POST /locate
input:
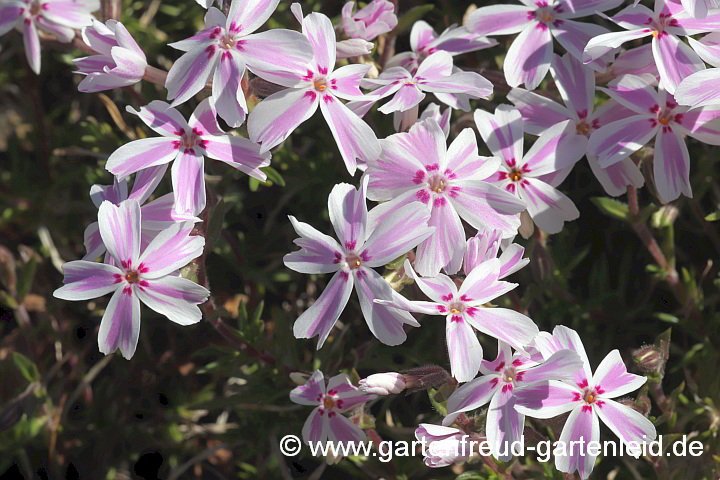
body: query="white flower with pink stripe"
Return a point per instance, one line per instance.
(146, 276)
(56, 17)
(419, 169)
(496, 386)
(319, 85)
(225, 47)
(654, 114)
(463, 310)
(588, 398)
(701, 88)
(674, 59)
(538, 22)
(576, 83)
(361, 249)
(523, 175)
(186, 143)
(326, 422)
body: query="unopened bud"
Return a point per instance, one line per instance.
(649, 358)
(299, 378)
(355, 47)
(421, 378)
(383, 383)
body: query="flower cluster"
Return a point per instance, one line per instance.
(445, 216)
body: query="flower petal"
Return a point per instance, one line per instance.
(603, 44)
(440, 288)
(275, 118)
(502, 132)
(162, 118)
(574, 36)
(249, 15)
(120, 230)
(278, 55)
(171, 249)
(316, 427)
(470, 396)
(190, 73)
(10, 15)
(576, 84)
(503, 425)
(188, 179)
(463, 347)
(309, 393)
(32, 45)
(548, 207)
(538, 113)
(558, 148)
(319, 319)
(345, 81)
(239, 153)
(445, 247)
(463, 160)
(399, 232)
(176, 298)
(620, 139)
(482, 285)
(227, 93)
(560, 366)
(504, 324)
(581, 426)
(347, 207)
(671, 165)
(612, 377)
(546, 399)
(628, 424)
(343, 431)
(204, 118)
(699, 89)
(321, 34)
(675, 60)
(616, 178)
(120, 324)
(85, 280)
(565, 338)
(499, 19)
(529, 56)
(319, 253)
(141, 154)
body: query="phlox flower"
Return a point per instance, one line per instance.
(674, 59)
(697, 8)
(463, 310)
(556, 149)
(417, 168)
(225, 47)
(319, 85)
(157, 215)
(443, 445)
(376, 18)
(186, 143)
(538, 21)
(361, 249)
(145, 276)
(326, 423)
(496, 386)
(121, 61)
(434, 75)
(701, 88)
(576, 84)
(588, 398)
(485, 246)
(57, 17)
(655, 114)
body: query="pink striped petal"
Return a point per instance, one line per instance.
(384, 321)
(629, 425)
(115, 193)
(581, 426)
(32, 45)
(529, 56)
(316, 427)
(227, 93)
(120, 230)
(63, 33)
(275, 118)
(461, 40)
(512, 260)
(702, 123)
(191, 72)
(560, 366)
(471, 396)
(67, 13)
(463, 160)
(671, 166)
(538, 113)
(202, 39)
(583, 8)
(146, 181)
(708, 48)
(484, 205)
(399, 233)
(603, 44)
(548, 207)
(249, 15)
(84, 280)
(348, 212)
(467, 83)
(504, 355)
(574, 36)
(319, 253)
(120, 324)
(503, 425)
(565, 338)
(636, 61)
(699, 89)
(608, 112)
(176, 298)
(558, 148)
(188, 180)
(10, 15)
(445, 247)
(345, 81)
(482, 285)
(687, 25)
(576, 84)
(546, 399)
(502, 132)
(275, 53)
(160, 214)
(463, 348)
(162, 118)
(342, 430)
(499, 19)
(675, 60)
(504, 324)
(321, 34)
(309, 393)
(319, 319)
(354, 137)
(171, 249)
(421, 35)
(633, 16)
(620, 139)
(611, 378)
(616, 178)
(434, 67)
(204, 118)
(99, 82)
(94, 246)
(440, 288)
(239, 153)
(408, 96)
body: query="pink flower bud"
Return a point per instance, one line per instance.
(355, 47)
(383, 383)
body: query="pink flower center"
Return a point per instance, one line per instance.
(132, 276)
(515, 175)
(353, 261)
(457, 308)
(189, 140)
(659, 24)
(227, 41)
(437, 183)
(582, 128)
(35, 8)
(329, 403)
(320, 84)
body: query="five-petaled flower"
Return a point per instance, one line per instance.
(121, 61)
(528, 58)
(576, 84)
(148, 276)
(556, 149)
(376, 18)
(186, 143)
(326, 421)
(275, 118)
(361, 249)
(655, 114)
(226, 47)
(588, 398)
(464, 310)
(57, 17)
(417, 168)
(500, 377)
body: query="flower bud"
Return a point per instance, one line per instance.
(355, 47)
(649, 358)
(383, 383)
(299, 378)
